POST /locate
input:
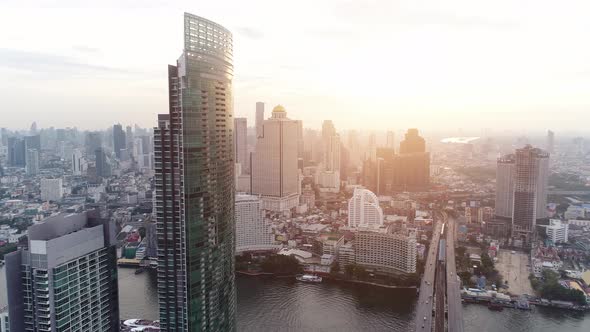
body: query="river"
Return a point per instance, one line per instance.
(266, 304)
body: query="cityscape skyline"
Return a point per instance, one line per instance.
(463, 85)
(190, 223)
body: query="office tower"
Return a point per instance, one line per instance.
(93, 141)
(371, 152)
(505, 173)
(385, 183)
(77, 162)
(411, 169)
(354, 148)
(530, 192)
(103, 168)
(344, 162)
(33, 142)
(32, 161)
(252, 229)
(390, 140)
(274, 163)
(259, 118)
(300, 144)
(384, 250)
(51, 189)
(194, 177)
(3, 137)
(550, 141)
(412, 143)
(241, 144)
(33, 130)
(129, 138)
(119, 140)
(67, 278)
(364, 209)
(16, 152)
(329, 174)
(4, 321)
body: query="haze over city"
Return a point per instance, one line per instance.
(221, 166)
(443, 66)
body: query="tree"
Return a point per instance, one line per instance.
(461, 250)
(349, 270)
(360, 272)
(335, 268)
(281, 264)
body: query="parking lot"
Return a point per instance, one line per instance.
(514, 269)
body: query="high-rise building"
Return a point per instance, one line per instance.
(252, 229)
(412, 143)
(194, 179)
(550, 141)
(364, 209)
(329, 175)
(259, 118)
(93, 141)
(51, 189)
(129, 138)
(16, 152)
(32, 161)
(77, 162)
(241, 143)
(505, 173)
(390, 140)
(33, 142)
(274, 163)
(383, 250)
(530, 192)
(67, 278)
(103, 168)
(119, 140)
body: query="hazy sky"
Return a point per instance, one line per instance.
(522, 65)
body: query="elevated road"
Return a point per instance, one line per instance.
(423, 321)
(455, 308)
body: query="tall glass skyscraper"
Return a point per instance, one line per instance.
(194, 166)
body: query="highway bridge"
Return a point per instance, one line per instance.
(439, 305)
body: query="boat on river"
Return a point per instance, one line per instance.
(309, 278)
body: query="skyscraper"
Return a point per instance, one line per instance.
(119, 140)
(32, 160)
(530, 192)
(390, 140)
(412, 143)
(241, 144)
(505, 173)
(77, 162)
(329, 175)
(103, 168)
(93, 141)
(364, 209)
(259, 118)
(67, 278)
(16, 152)
(194, 168)
(274, 163)
(33, 142)
(550, 141)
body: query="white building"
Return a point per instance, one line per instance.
(557, 231)
(51, 189)
(382, 250)
(364, 209)
(253, 231)
(274, 163)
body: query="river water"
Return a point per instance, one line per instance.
(266, 304)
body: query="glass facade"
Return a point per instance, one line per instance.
(194, 164)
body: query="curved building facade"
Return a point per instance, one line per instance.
(194, 163)
(364, 209)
